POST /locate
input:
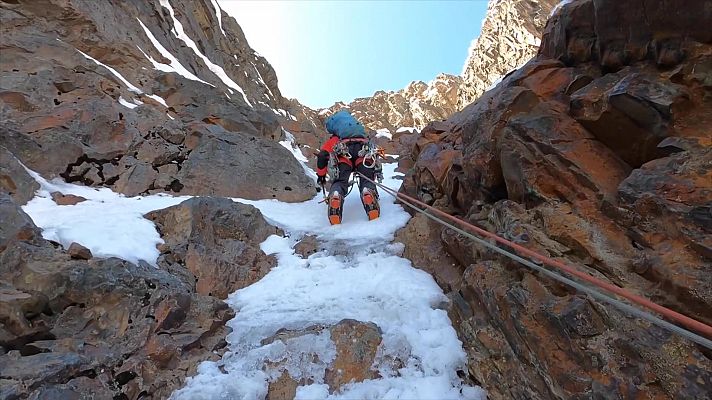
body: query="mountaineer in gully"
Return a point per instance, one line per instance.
(349, 151)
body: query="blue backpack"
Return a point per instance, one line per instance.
(344, 125)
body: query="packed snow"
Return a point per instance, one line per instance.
(357, 274)
(107, 223)
(175, 65)
(216, 69)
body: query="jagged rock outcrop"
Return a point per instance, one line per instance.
(70, 327)
(510, 36)
(142, 97)
(14, 180)
(596, 153)
(193, 230)
(414, 106)
(72, 324)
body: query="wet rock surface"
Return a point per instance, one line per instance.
(596, 153)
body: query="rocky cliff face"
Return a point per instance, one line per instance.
(597, 153)
(510, 36)
(414, 106)
(144, 97)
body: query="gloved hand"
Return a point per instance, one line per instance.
(321, 180)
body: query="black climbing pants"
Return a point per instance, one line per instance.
(341, 184)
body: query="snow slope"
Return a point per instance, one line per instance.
(107, 223)
(358, 274)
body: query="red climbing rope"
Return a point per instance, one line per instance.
(671, 314)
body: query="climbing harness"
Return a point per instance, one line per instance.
(369, 154)
(688, 322)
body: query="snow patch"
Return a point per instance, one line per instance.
(408, 129)
(107, 223)
(125, 103)
(175, 65)
(218, 13)
(113, 71)
(495, 83)
(558, 7)
(158, 99)
(262, 81)
(384, 132)
(290, 144)
(216, 69)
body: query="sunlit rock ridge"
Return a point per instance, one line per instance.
(510, 36)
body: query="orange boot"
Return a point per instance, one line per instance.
(370, 204)
(335, 209)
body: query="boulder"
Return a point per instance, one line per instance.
(232, 165)
(78, 251)
(66, 199)
(307, 246)
(218, 242)
(355, 345)
(137, 179)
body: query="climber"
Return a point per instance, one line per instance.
(348, 150)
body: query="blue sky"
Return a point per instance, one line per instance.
(326, 51)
